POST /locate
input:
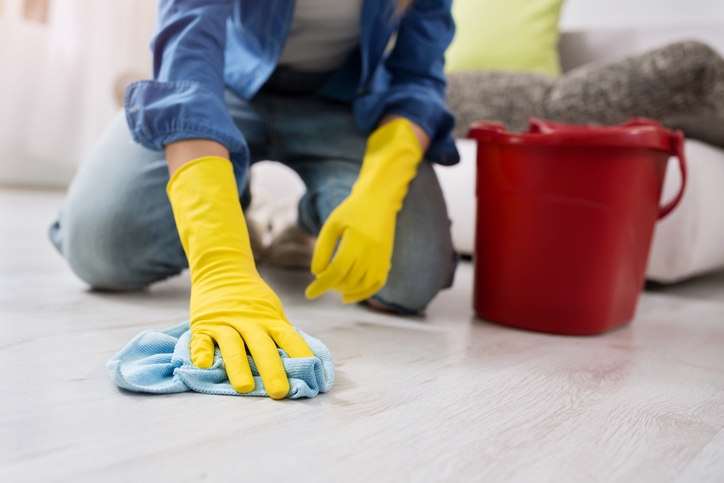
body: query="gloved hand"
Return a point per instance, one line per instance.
(365, 221)
(230, 303)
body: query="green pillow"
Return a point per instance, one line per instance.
(505, 35)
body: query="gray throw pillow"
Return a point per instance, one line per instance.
(681, 85)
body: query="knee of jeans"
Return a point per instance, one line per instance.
(409, 307)
(98, 249)
(424, 260)
(411, 292)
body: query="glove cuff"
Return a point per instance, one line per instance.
(390, 162)
(211, 225)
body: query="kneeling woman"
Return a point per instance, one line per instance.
(307, 83)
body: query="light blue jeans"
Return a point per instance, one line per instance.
(117, 230)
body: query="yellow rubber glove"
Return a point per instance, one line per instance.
(365, 221)
(230, 303)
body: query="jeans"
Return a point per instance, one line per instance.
(117, 230)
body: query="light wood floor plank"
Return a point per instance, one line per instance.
(444, 397)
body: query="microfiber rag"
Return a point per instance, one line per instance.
(159, 362)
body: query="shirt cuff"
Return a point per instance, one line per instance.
(420, 105)
(159, 113)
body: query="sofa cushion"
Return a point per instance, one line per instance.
(681, 85)
(577, 48)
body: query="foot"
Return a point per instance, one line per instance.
(290, 247)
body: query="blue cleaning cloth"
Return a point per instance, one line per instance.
(159, 362)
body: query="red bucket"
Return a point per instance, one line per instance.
(565, 216)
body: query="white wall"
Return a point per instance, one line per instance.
(58, 82)
(112, 38)
(612, 14)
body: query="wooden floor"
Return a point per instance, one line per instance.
(440, 398)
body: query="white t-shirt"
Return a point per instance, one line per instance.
(322, 35)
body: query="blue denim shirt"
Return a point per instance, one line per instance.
(202, 46)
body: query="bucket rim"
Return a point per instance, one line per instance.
(635, 133)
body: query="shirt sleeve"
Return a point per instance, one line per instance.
(416, 78)
(186, 98)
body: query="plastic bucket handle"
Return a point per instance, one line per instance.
(677, 141)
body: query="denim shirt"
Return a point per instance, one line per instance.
(201, 47)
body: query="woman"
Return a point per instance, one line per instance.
(309, 85)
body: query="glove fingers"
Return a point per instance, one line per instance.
(358, 275)
(375, 277)
(350, 281)
(328, 279)
(335, 272)
(202, 351)
(265, 354)
(364, 294)
(234, 354)
(354, 279)
(292, 342)
(325, 245)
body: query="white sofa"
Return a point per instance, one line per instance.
(690, 241)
